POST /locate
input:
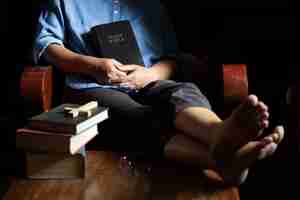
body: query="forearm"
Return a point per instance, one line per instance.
(164, 70)
(68, 61)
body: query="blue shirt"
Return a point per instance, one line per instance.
(65, 22)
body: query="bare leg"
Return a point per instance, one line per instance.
(228, 143)
(223, 138)
(188, 150)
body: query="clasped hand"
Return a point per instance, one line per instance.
(113, 72)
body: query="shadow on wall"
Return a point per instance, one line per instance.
(231, 32)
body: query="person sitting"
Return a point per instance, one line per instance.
(144, 100)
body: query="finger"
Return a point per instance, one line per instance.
(127, 68)
(120, 73)
(131, 76)
(118, 80)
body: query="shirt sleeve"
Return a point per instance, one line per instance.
(50, 29)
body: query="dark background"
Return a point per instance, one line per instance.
(262, 34)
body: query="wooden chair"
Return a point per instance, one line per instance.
(105, 178)
(41, 86)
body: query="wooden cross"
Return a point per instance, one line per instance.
(85, 110)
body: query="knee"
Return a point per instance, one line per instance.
(192, 94)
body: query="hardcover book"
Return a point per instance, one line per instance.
(116, 40)
(55, 165)
(56, 142)
(56, 121)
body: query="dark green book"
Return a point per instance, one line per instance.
(56, 121)
(116, 40)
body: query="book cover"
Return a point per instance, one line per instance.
(44, 141)
(116, 40)
(55, 165)
(55, 120)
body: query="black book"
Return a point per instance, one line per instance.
(56, 121)
(116, 40)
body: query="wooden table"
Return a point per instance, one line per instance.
(109, 178)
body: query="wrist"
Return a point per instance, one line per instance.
(164, 70)
(90, 64)
(155, 75)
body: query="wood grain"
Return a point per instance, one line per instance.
(111, 178)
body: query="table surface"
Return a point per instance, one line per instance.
(108, 177)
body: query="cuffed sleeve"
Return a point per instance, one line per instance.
(50, 29)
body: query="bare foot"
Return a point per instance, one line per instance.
(235, 170)
(245, 123)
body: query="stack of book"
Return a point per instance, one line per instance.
(54, 141)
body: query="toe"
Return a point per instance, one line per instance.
(253, 148)
(279, 131)
(262, 155)
(277, 136)
(235, 171)
(262, 107)
(271, 150)
(268, 150)
(264, 124)
(263, 119)
(265, 115)
(253, 100)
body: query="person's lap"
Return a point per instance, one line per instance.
(142, 121)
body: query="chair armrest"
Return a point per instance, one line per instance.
(235, 86)
(36, 86)
(235, 82)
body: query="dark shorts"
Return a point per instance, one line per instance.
(142, 121)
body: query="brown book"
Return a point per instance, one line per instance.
(45, 141)
(55, 165)
(55, 120)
